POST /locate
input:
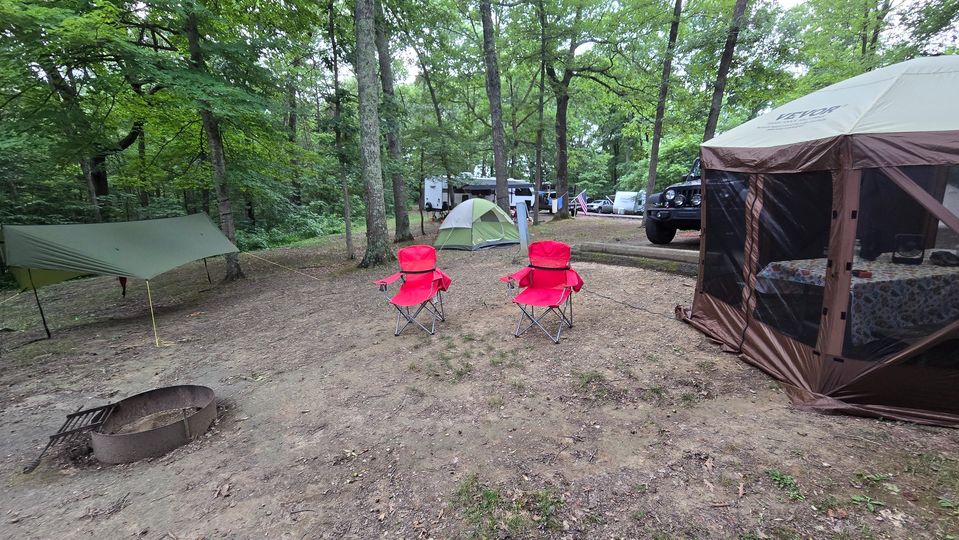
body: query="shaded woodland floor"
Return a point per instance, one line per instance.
(635, 426)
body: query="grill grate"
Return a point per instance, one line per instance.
(76, 425)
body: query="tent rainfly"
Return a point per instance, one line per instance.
(39, 255)
(476, 224)
(830, 241)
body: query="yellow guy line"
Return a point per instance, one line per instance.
(11, 298)
(294, 270)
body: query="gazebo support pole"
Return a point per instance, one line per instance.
(40, 307)
(153, 320)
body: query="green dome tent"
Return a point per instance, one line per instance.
(476, 224)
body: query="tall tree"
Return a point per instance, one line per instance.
(495, 105)
(337, 103)
(296, 197)
(377, 236)
(214, 137)
(719, 88)
(392, 117)
(661, 102)
(540, 110)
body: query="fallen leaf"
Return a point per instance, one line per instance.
(708, 465)
(742, 489)
(709, 485)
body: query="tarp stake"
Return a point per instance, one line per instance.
(207, 271)
(156, 336)
(40, 307)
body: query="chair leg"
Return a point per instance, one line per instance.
(436, 314)
(537, 321)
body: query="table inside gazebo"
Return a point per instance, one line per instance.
(895, 298)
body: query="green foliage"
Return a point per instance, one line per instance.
(871, 504)
(488, 510)
(786, 483)
(108, 87)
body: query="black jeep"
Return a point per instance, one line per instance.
(675, 208)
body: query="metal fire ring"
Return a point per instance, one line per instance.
(112, 447)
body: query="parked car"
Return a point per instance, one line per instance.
(598, 206)
(675, 208)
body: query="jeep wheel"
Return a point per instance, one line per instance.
(658, 232)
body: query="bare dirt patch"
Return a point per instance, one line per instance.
(633, 426)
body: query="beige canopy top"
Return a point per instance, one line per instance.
(892, 116)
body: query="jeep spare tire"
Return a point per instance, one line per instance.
(658, 232)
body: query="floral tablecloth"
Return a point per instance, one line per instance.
(897, 296)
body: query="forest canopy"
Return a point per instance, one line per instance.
(113, 110)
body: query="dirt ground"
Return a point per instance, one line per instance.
(635, 426)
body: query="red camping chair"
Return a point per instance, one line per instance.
(422, 287)
(547, 282)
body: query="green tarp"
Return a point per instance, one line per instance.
(40, 255)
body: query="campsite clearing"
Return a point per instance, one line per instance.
(633, 426)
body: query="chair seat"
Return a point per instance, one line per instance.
(411, 295)
(542, 297)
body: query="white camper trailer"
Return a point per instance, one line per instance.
(436, 194)
(629, 202)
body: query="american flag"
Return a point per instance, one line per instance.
(581, 199)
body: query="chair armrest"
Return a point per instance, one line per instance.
(521, 277)
(388, 279)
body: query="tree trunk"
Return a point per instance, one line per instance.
(296, 197)
(87, 168)
(661, 103)
(540, 126)
(393, 150)
(724, 62)
(493, 92)
(371, 170)
(217, 157)
(423, 191)
(562, 154)
(338, 131)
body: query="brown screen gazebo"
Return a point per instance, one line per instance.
(830, 244)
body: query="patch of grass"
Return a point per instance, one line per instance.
(587, 378)
(864, 500)
(415, 392)
(468, 337)
(654, 393)
(498, 360)
(786, 483)
(547, 507)
(689, 399)
(496, 402)
(638, 516)
(830, 502)
(642, 488)
(480, 506)
(593, 383)
(518, 384)
(487, 510)
(462, 371)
